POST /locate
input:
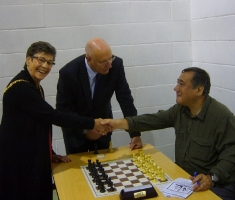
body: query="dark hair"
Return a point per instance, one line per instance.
(200, 77)
(39, 47)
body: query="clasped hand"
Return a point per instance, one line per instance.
(102, 128)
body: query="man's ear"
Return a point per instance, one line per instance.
(88, 58)
(200, 89)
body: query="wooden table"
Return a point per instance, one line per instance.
(72, 185)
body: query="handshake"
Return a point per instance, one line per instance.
(103, 126)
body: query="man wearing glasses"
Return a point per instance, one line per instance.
(85, 88)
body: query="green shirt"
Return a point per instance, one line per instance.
(204, 143)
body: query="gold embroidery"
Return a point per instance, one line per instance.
(20, 80)
(16, 81)
(40, 88)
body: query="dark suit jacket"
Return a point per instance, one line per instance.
(74, 95)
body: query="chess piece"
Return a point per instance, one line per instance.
(144, 168)
(102, 188)
(111, 147)
(95, 178)
(139, 163)
(98, 181)
(141, 153)
(101, 170)
(99, 184)
(148, 174)
(162, 178)
(148, 156)
(154, 177)
(94, 173)
(150, 177)
(134, 158)
(91, 171)
(105, 177)
(89, 163)
(111, 187)
(96, 151)
(109, 182)
(158, 172)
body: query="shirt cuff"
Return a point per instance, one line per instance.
(134, 134)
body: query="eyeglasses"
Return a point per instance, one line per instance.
(105, 62)
(42, 60)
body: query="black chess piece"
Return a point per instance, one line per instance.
(91, 170)
(91, 167)
(97, 181)
(105, 177)
(96, 151)
(94, 179)
(96, 176)
(102, 188)
(110, 183)
(94, 173)
(101, 169)
(89, 164)
(98, 164)
(112, 188)
(99, 185)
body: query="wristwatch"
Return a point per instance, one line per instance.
(214, 177)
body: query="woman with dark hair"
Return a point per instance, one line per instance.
(25, 135)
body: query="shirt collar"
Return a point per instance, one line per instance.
(203, 111)
(205, 107)
(90, 72)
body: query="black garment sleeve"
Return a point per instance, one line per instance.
(26, 98)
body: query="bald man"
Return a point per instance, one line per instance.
(85, 88)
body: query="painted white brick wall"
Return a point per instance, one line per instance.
(156, 39)
(20, 16)
(213, 45)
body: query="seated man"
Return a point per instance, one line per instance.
(205, 133)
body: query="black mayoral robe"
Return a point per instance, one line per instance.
(25, 147)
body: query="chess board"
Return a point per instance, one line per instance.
(123, 174)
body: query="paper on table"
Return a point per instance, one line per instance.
(180, 187)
